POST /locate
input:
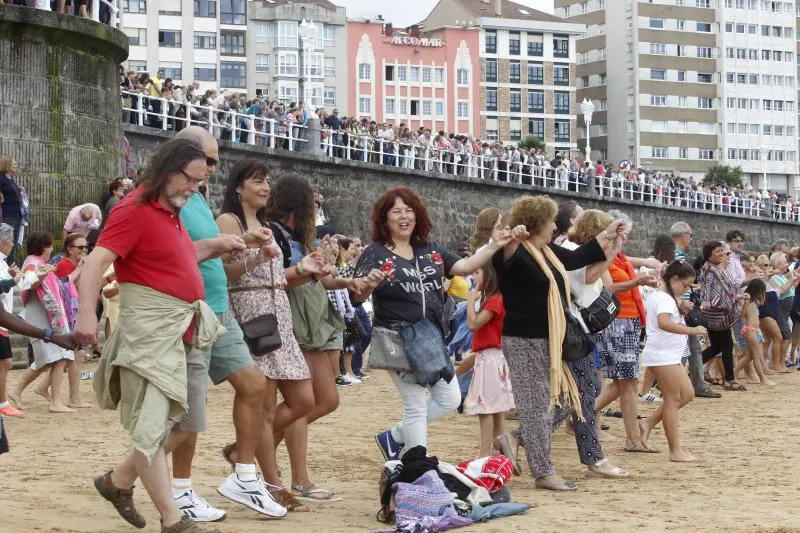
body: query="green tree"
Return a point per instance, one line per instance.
(723, 174)
(531, 142)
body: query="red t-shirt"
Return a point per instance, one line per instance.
(154, 248)
(489, 336)
(64, 268)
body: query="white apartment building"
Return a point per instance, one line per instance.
(681, 85)
(251, 47)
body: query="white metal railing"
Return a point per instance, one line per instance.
(272, 133)
(113, 6)
(164, 114)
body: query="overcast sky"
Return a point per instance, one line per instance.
(406, 12)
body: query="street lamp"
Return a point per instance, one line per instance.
(307, 33)
(587, 108)
(764, 167)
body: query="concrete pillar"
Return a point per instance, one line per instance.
(314, 136)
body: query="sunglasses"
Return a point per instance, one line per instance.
(81, 248)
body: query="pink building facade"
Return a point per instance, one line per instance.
(428, 79)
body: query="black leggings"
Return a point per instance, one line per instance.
(721, 342)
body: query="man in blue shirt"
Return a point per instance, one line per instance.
(229, 360)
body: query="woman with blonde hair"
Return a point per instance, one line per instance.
(532, 276)
(484, 226)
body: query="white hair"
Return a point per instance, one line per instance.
(6, 233)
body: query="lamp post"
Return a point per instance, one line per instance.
(764, 168)
(307, 33)
(587, 108)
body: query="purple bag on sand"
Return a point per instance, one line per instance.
(427, 496)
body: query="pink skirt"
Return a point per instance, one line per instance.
(490, 388)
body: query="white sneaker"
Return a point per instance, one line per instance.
(650, 398)
(197, 508)
(351, 379)
(253, 494)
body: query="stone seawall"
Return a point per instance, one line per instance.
(351, 187)
(59, 108)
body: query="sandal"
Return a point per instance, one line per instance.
(708, 393)
(566, 486)
(312, 494)
(285, 499)
(603, 468)
(733, 386)
(640, 448)
(712, 381)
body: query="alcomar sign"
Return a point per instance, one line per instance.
(417, 41)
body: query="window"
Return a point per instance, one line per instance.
(233, 75)
(752, 54)
(704, 51)
(752, 79)
(681, 48)
(536, 74)
(262, 63)
(491, 99)
(731, 127)
(330, 97)
(560, 75)
(438, 75)
(766, 55)
(172, 70)
(744, 154)
(562, 102)
(704, 27)
(287, 34)
(739, 28)
(680, 25)
(231, 43)
(330, 67)
(462, 109)
(535, 44)
(682, 101)
(514, 72)
(658, 100)
(535, 101)
(329, 35)
(136, 36)
(681, 75)
(413, 74)
(703, 77)
(205, 72)
(426, 74)
(752, 29)
(134, 6)
(439, 107)
(560, 46)
(513, 43)
(492, 128)
(657, 24)
(233, 12)
(169, 39)
(778, 130)
(490, 45)
(364, 105)
(262, 32)
(741, 79)
(706, 153)
(403, 107)
(731, 153)
(462, 76)
(491, 70)
(364, 72)
(402, 73)
(515, 129)
(705, 102)
(536, 127)
(659, 49)
(562, 131)
(390, 106)
(427, 108)
(205, 8)
(703, 3)
(659, 152)
(287, 64)
(657, 74)
(389, 73)
(314, 67)
(515, 101)
(729, 27)
(415, 108)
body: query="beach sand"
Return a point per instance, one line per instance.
(748, 480)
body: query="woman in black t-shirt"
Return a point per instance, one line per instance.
(411, 264)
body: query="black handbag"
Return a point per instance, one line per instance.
(577, 343)
(695, 317)
(599, 315)
(261, 334)
(354, 332)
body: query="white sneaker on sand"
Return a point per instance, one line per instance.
(650, 398)
(197, 508)
(351, 379)
(253, 494)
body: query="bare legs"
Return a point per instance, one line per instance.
(648, 381)
(492, 426)
(677, 391)
(625, 390)
(347, 358)
(752, 354)
(5, 367)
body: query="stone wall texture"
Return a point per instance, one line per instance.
(351, 187)
(59, 108)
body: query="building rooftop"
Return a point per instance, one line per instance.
(508, 9)
(325, 4)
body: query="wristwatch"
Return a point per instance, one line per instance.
(48, 335)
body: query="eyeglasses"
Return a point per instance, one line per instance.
(211, 162)
(81, 248)
(191, 180)
(689, 233)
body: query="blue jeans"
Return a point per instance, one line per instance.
(363, 344)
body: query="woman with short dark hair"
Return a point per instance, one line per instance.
(410, 294)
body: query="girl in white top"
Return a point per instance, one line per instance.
(666, 339)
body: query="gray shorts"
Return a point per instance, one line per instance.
(334, 343)
(230, 353)
(194, 419)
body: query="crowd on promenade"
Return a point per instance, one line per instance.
(79, 8)
(264, 295)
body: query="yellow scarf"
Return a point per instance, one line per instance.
(560, 377)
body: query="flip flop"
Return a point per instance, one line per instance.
(734, 386)
(640, 448)
(313, 494)
(615, 472)
(707, 394)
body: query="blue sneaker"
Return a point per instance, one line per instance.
(388, 446)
